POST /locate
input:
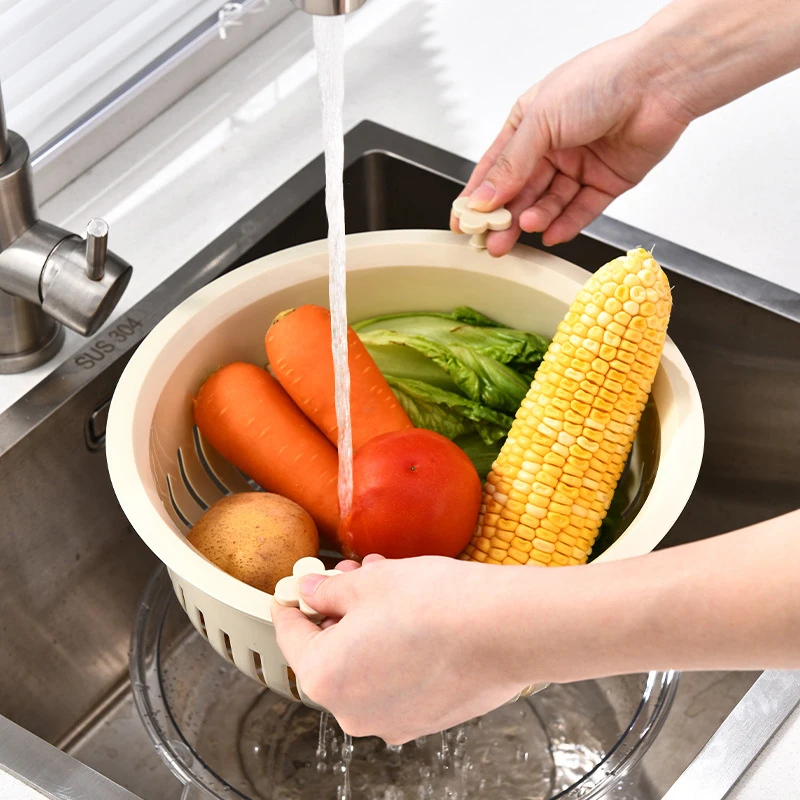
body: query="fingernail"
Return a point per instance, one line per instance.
(310, 583)
(483, 195)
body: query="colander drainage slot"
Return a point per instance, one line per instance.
(292, 678)
(250, 482)
(183, 518)
(259, 668)
(228, 648)
(181, 597)
(202, 623)
(205, 463)
(188, 484)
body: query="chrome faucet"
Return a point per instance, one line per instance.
(328, 8)
(48, 276)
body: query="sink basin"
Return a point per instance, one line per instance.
(73, 571)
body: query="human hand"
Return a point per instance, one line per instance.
(586, 133)
(412, 646)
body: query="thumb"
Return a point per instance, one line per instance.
(513, 165)
(331, 595)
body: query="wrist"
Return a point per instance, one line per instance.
(664, 71)
(695, 56)
(577, 623)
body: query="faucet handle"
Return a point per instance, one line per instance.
(96, 248)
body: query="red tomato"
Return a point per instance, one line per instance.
(415, 493)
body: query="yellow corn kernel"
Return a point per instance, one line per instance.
(551, 484)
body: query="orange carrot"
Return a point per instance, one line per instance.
(249, 419)
(299, 351)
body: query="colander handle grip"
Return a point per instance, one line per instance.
(478, 223)
(287, 590)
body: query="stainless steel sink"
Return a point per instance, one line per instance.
(72, 569)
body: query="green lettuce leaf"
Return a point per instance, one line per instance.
(447, 412)
(403, 361)
(425, 413)
(467, 328)
(479, 377)
(473, 317)
(500, 386)
(463, 377)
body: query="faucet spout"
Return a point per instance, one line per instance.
(328, 8)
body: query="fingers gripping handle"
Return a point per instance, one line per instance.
(287, 593)
(287, 590)
(479, 223)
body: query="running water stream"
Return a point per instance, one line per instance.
(329, 42)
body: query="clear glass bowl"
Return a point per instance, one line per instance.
(223, 733)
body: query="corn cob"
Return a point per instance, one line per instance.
(553, 481)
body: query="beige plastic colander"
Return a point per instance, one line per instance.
(165, 475)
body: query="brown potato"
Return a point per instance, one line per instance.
(255, 537)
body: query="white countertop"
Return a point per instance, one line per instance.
(12, 788)
(728, 189)
(776, 768)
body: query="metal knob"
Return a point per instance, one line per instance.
(96, 248)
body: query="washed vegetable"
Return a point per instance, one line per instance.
(255, 537)
(479, 377)
(555, 476)
(251, 421)
(414, 493)
(466, 327)
(298, 346)
(456, 374)
(446, 412)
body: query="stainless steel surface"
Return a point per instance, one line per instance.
(28, 338)
(71, 574)
(739, 740)
(47, 275)
(5, 148)
(22, 260)
(146, 94)
(17, 204)
(96, 248)
(52, 774)
(328, 8)
(776, 769)
(72, 570)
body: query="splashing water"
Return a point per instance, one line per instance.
(509, 756)
(322, 742)
(329, 43)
